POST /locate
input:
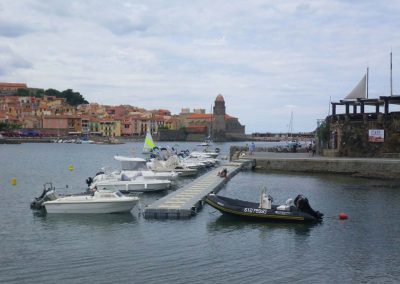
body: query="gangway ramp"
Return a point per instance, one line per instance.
(187, 200)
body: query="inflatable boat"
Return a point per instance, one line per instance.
(297, 211)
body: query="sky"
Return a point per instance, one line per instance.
(269, 59)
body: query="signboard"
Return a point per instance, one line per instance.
(376, 135)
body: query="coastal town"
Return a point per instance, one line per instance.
(44, 115)
(199, 141)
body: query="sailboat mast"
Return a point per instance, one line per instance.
(367, 80)
(391, 81)
(211, 122)
(291, 124)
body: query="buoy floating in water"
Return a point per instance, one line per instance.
(13, 181)
(343, 216)
(71, 168)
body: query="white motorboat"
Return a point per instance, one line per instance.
(173, 164)
(132, 167)
(204, 154)
(101, 201)
(121, 182)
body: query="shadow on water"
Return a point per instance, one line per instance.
(226, 223)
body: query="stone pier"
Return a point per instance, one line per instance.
(302, 162)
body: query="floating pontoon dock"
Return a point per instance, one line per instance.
(187, 200)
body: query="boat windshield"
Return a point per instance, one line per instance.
(119, 194)
(133, 165)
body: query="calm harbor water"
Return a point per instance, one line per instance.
(208, 248)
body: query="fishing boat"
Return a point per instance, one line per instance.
(299, 211)
(148, 144)
(100, 201)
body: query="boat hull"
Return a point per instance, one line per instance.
(129, 186)
(250, 210)
(90, 207)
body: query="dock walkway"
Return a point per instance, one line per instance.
(187, 200)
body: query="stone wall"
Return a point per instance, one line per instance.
(372, 168)
(352, 135)
(171, 135)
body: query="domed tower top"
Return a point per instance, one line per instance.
(220, 98)
(219, 106)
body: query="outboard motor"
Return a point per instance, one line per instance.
(47, 195)
(266, 201)
(302, 204)
(89, 181)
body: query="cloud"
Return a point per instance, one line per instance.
(13, 29)
(11, 62)
(260, 55)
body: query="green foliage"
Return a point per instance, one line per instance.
(22, 93)
(73, 98)
(163, 127)
(6, 126)
(52, 92)
(323, 132)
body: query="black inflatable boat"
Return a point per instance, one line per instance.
(301, 211)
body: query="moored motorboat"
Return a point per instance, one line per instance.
(100, 201)
(132, 167)
(136, 185)
(121, 182)
(299, 211)
(173, 164)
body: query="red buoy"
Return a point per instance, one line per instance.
(343, 216)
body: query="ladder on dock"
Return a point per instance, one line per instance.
(187, 200)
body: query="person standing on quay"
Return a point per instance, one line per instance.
(252, 148)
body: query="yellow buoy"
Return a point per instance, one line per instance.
(13, 181)
(71, 168)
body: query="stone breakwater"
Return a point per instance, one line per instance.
(302, 162)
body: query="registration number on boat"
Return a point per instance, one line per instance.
(255, 210)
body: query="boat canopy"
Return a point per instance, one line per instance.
(131, 164)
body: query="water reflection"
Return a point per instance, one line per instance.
(226, 223)
(86, 220)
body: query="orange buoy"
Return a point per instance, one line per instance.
(343, 216)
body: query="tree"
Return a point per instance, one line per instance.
(22, 93)
(6, 126)
(324, 132)
(52, 92)
(73, 98)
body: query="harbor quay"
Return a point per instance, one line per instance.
(386, 168)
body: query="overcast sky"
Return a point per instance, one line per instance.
(267, 58)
